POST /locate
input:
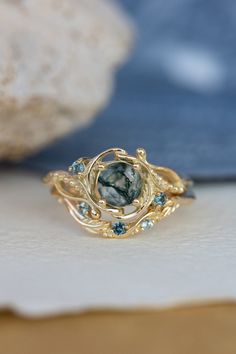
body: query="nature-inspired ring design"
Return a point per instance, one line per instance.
(117, 195)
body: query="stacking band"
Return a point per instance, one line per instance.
(117, 195)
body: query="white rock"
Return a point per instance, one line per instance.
(56, 67)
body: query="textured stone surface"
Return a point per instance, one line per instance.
(119, 184)
(56, 69)
(192, 131)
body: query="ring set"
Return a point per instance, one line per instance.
(117, 195)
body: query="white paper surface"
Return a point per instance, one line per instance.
(48, 264)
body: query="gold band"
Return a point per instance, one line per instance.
(118, 197)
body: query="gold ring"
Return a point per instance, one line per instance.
(117, 195)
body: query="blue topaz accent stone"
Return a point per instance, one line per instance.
(160, 199)
(77, 167)
(147, 224)
(83, 208)
(119, 184)
(119, 228)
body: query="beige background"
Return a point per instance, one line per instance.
(48, 264)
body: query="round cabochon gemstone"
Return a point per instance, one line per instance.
(119, 184)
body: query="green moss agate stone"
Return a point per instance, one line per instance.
(119, 184)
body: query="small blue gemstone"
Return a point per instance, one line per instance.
(147, 224)
(160, 199)
(77, 167)
(83, 208)
(119, 228)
